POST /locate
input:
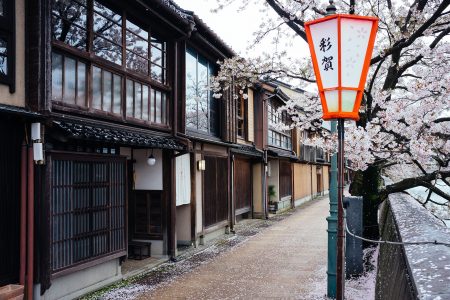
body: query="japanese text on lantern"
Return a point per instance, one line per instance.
(327, 61)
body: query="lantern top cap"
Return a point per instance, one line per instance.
(331, 9)
(342, 16)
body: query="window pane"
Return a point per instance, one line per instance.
(107, 91)
(117, 94)
(107, 29)
(56, 76)
(137, 44)
(137, 30)
(145, 94)
(69, 22)
(157, 107)
(130, 98)
(152, 105)
(107, 50)
(3, 57)
(81, 88)
(163, 109)
(137, 63)
(191, 90)
(138, 100)
(157, 73)
(202, 95)
(69, 80)
(97, 88)
(156, 56)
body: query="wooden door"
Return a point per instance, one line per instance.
(285, 179)
(10, 150)
(242, 186)
(146, 215)
(215, 186)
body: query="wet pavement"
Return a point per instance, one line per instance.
(285, 260)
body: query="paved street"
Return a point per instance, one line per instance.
(283, 261)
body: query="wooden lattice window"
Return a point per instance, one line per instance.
(87, 208)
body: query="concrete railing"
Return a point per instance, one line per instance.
(412, 271)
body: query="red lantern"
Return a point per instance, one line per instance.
(341, 48)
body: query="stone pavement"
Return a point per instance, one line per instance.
(285, 261)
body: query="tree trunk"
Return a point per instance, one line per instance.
(367, 184)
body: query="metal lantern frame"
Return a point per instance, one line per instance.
(340, 114)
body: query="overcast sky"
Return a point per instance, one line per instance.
(235, 28)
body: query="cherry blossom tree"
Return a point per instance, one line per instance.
(403, 134)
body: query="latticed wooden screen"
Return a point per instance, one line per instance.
(87, 208)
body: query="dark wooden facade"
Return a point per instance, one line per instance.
(11, 135)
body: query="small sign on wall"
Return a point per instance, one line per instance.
(183, 173)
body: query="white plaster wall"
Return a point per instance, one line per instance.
(84, 281)
(274, 178)
(148, 177)
(183, 225)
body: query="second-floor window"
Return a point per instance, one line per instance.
(7, 49)
(278, 138)
(240, 115)
(201, 107)
(122, 72)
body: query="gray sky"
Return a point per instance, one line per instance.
(236, 28)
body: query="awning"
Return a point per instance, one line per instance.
(119, 135)
(281, 153)
(247, 150)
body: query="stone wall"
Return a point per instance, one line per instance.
(412, 271)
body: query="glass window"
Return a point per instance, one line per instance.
(57, 80)
(158, 60)
(137, 45)
(3, 57)
(69, 22)
(201, 107)
(106, 90)
(132, 46)
(68, 80)
(278, 138)
(240, 117)
(7, 49)
(145, 103)
(107, 27)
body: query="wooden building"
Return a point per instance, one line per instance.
(16, 151)
(312, 167)
(276, 143)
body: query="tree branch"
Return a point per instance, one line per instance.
(415, 35)
(418, 181)
(285, 15)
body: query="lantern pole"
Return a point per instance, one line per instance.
(333, 217)
(340, 278)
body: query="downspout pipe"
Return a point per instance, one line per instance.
(23, 213)
(30, 233)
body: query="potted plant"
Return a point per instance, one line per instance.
(273, 205)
